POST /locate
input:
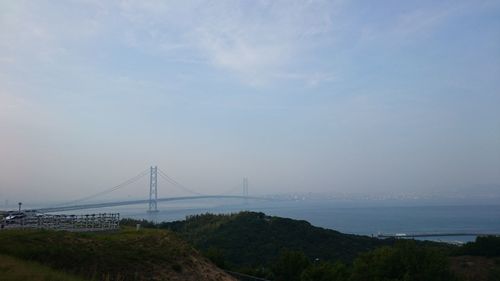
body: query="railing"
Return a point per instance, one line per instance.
(80, 223)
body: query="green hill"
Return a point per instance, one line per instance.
(12, 269)
(250, 239)
(124, 255)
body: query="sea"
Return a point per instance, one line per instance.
(354, 217)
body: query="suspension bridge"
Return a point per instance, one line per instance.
(153, 200)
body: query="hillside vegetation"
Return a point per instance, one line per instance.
(275, 248)
(291, 250)
(479, 260)
(255, 239)
(125, 255)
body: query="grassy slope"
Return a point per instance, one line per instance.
(250, 239)
(127, 255)
(12, 269)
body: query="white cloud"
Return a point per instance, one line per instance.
(254, 40)
(257, 41)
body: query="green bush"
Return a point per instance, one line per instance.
(488, 246)
(216, 256)
(405, 261)
(325, 272)
(290, 266)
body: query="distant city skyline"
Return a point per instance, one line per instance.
(360, 97)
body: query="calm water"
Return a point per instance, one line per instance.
(348, 217)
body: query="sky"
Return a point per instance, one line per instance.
(365, 97)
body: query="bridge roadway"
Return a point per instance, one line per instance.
(143, 201)
(416, 235)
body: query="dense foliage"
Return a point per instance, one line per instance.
(290, 266)
(325, 271)
(291, 250)
(488, 246)
(249, 239)
(405, 261)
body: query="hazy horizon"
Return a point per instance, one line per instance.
(357, 97)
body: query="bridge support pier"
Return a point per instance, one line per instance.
(153, 190)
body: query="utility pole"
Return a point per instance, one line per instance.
(153, 190)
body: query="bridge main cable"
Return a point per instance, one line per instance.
(177, 184)
(109, 190)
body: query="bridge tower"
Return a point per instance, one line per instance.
(153, 190)
(245, 186)
(245, 189)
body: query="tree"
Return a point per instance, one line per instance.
(290, 265)
(325, 272)
(488, 246)
(405, 261)
(216, 256)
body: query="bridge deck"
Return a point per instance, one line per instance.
(143, 201)
(417, 235)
